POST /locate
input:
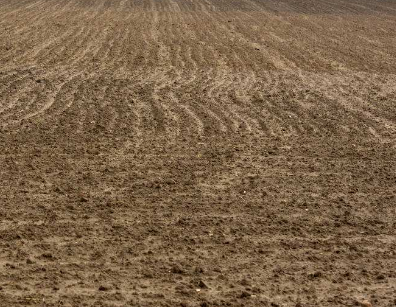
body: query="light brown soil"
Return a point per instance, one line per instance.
(197, 153)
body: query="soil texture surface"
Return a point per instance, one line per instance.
(197, 153)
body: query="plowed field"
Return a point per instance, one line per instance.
(197, 153)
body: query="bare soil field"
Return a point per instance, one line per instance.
(197, 153)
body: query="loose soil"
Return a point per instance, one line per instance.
(197, 153)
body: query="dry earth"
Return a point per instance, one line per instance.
(197, 153)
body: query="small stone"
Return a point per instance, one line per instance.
(83, 199)
(365, 303)
(202, 285)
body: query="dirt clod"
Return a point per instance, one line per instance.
(245, 294)
(29, 261)
(176, 269)
(104, 288)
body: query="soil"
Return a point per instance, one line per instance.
(197, 153)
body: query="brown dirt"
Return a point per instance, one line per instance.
(197, 153)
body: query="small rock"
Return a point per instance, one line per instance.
(29, 261)
(83, 199)
(202, 285)
(365, 303)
